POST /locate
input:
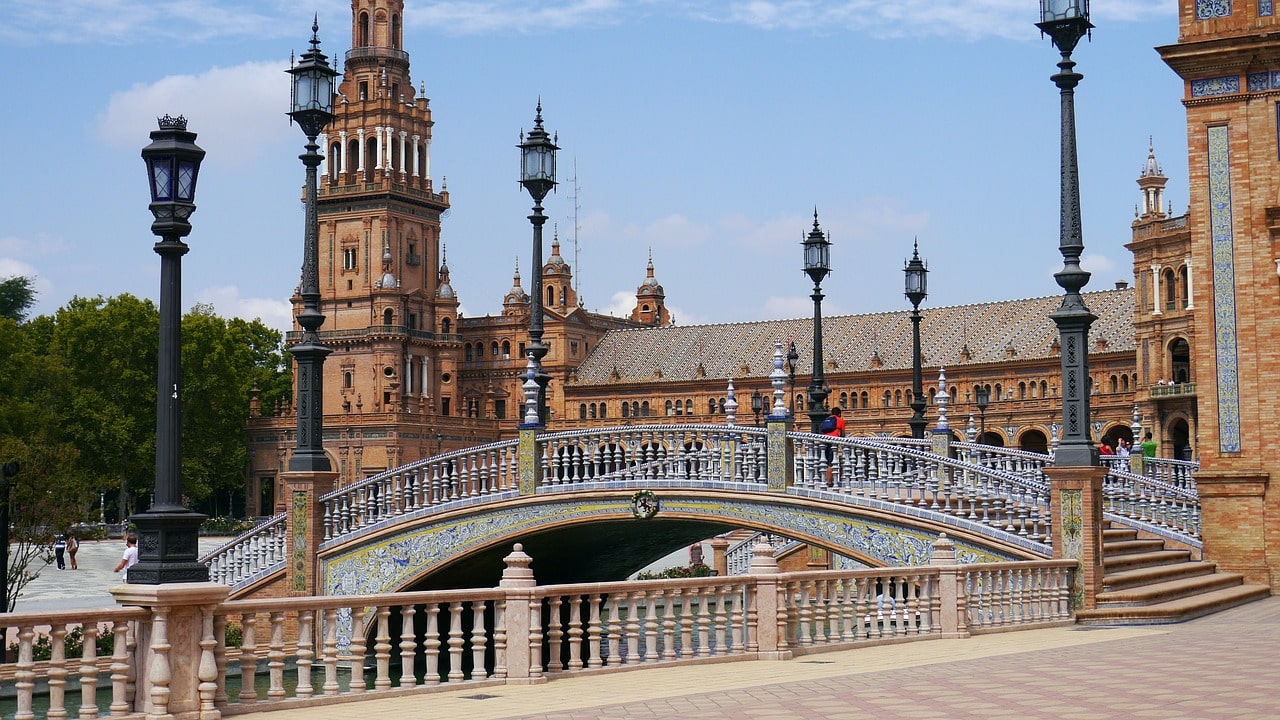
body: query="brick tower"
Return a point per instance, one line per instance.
(391, 315)
(1229, 61)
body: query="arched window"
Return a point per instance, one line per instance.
(888, 398)
(844, 399)
(722, 410)
(388, 317)
(1022, 391)
(626, 410)
(395, 31)
(506, 349)
(1170, 289)
(593, 411)
(371, 159)
(470, 354)
(670, 410)
(644, 409)
(346, 379)
(364, 29)
(353, 155)
(688, 407)
(863, 398)
(335, 148)
(897, 398)
(582, 411)
(711, 406)
(1184, 298)
(551, 296)
(999, 395)
(1115, 384)
(1180, 361)
(1124, 383)
(605, 413)
(445, 325)
(1044, 388)
(493, 348)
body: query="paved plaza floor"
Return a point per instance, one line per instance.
(87, 587)
(1223, 666)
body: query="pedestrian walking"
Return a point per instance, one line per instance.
(59, 551)
(73, 545)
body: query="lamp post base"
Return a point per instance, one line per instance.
(168, 548)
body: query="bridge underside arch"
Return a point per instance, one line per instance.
(592, 536)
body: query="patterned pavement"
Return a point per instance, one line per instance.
(1222, 666)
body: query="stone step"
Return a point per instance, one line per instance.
(1174, 611)
(1144, 559)
(1128, 547)
(1159, 592)
(1116, 534)
(1156, 574)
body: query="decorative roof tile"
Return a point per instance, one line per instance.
(950, 336)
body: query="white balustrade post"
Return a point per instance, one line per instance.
(518, 582)
(770, 622)
(951, 620)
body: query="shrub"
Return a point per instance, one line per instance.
(689, 571)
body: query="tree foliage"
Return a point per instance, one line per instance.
(17, 295)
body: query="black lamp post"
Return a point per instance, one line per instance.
(538, 176)
(982, 395)
(917, 290)
(312, 109)
(1066, 21)
(792, 358)
(757, 405)
(167, 547)
(817, 263)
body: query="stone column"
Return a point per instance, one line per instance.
(780, 464)
(530, 470)
(771, 638)
(170, 655)
(951, 617)
(1076, 503)
(305, 527)
(719, 556)
(519, 613)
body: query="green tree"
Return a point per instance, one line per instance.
(222, 361)
(109, 347)
(48, 494)
(17, 295)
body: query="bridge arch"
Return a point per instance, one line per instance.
(464, 543)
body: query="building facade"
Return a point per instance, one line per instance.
(1229, 61)
(410, 377)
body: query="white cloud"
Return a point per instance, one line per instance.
(235, 111)
(125, 22)
(227, 302)
(969, 19)
(475, 18)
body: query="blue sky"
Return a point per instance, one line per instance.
(705, 132)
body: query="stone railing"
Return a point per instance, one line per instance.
(204, 658)
(1004, 489)
(253, 554)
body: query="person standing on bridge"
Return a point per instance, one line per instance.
(834, 427)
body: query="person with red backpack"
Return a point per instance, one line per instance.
(833, 426)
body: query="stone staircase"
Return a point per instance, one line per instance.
(1145, 583)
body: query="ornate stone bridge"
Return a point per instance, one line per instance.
(596, 505)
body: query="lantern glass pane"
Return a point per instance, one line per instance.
(186, 180)
(1063, 10)
(324, 93)
(161, 180)
(812, 255)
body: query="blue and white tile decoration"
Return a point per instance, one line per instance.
(1210, 9)
(1222, 243)
(1208, 87)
